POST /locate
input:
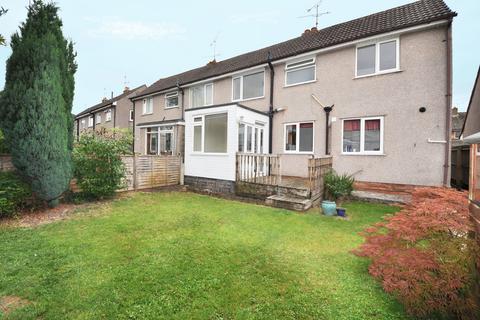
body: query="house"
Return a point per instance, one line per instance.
(116, 112)
(458, 118)
(471, 135)
(374, 94)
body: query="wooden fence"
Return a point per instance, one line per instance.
(317, 168)
(258, 168)
(6, 163)
(144, 172)
(459, 166)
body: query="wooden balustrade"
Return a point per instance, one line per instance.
(317, 168)
(258, 168)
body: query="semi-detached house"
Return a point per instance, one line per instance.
(385, 77)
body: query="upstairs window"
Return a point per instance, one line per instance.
(82, 124)
(108, 115)
(248, 86)
(300, 72)
(201, 95)
(147, 106)
(363, 136)
(171, 100)
(377, 58)
(299, 137)
(90, 121)
(99, 118)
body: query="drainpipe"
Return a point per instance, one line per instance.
(179, 88)
(270, 107)
(327, 110)
(448, 96)
(78, 129)
(133, 127)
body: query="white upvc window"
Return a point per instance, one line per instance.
(99, 118)
(147, 106)
(82, 124)
(210, 133)
(90, 121)
(362, 136)
(250, 138)
(160, 140)
(132, 114)
(108, 115)
(377, 58)
(171, 100)
(299, 137)
(201, 95)
(300, 71)
(248, 86)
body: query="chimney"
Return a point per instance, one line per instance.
(454, 111)
(104, 99)
(126, 89)
(212, 62)
(310, 31)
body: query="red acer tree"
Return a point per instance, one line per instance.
(426, 257)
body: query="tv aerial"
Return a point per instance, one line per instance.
(314, 12)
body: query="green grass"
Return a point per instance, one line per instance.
(188, 256)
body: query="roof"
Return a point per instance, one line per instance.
(409, 15)
(108, 102)
(471, 98)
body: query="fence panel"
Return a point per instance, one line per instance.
(145, 172)
(317, 168)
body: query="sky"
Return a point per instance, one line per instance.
(138, 42)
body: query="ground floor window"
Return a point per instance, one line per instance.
(160, 140)
(362, 135)
(210, 133)
(299, 137)
(250, 137)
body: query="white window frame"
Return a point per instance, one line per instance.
(362, 151)
(377, 57)
(131, 113)
(147, 142)
(145, 104)
(98, 119)
(90, 121)
(204, 95)
(308, 62)
(108, 115)
(297, 142)
(241, 77)
(160, 129)
(255, 137)
(82, 124)
(168, 96)
(202, 124)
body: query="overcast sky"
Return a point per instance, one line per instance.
(142, 41)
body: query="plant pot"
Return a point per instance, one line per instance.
(329, 208)
(341, 212)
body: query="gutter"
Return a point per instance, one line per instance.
(448, 97)
(270, 106)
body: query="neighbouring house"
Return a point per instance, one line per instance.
(471, 136)
(116, 112)
(374, 94)
(458, 118)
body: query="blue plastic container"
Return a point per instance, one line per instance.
(341, 212)
(329, 208)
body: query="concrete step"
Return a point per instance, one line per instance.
(293, 192)
(290, 203)
(382, 197)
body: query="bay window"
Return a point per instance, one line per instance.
(171, 100)
(299, 137)
(300, 72)
(376, 58)
(210, 133)
(201, 95)
(362, 136)
(249, 86)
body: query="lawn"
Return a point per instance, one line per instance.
(187, 256)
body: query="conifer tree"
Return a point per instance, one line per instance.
(37, 102)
